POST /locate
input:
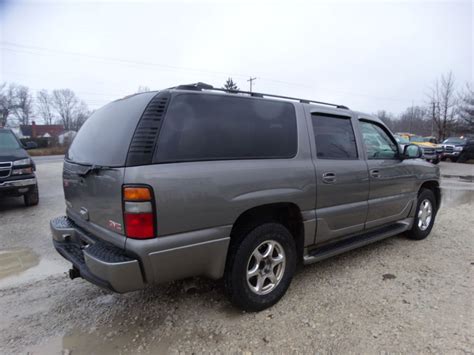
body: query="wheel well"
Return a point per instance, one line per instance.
(433, 186)
(288, 214)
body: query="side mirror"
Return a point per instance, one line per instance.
(412, 151)
(30, 145)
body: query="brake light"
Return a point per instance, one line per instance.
(138, 212)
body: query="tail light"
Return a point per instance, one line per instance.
(138, 212)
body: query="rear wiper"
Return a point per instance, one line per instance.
(93, 168)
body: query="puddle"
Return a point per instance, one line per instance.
(101, 342)
(15, 261)
(456, 197)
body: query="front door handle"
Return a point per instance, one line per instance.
(375, 173)
(329, 178)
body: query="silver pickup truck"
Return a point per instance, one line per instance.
(196, 181)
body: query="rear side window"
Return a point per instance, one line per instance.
(105, 137)
(334, 137)
(217, 127)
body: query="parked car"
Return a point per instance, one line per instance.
(467, 152)
(194, 181)
(452, 148)
(17, 169)
(430, 150)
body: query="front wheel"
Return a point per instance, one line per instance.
(31, 198)
(424, 216)
(260, 267)
(435, 161)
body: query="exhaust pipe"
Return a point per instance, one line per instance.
(74, 273)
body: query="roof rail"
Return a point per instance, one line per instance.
(203, 86)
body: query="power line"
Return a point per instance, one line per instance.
(35, 49)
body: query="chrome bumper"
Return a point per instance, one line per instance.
(18, 183)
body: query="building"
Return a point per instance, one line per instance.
(41, 131)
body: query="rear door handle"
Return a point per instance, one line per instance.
(375, 173)
(329, 178)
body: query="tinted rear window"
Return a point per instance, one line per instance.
(334, 137)
(218, 127)
(105, 137)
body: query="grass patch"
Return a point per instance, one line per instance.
(47, 151)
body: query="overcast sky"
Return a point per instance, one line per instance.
(367, 55)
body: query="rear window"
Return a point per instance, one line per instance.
(217, 127)
(105, 137)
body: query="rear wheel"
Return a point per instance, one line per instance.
(435, 161)
(260, 267)
(31, 198)
(424, 216)
(454, 159)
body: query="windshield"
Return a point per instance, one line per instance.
(454, 140)
(416, 139)
(8, 141)
(402, 140)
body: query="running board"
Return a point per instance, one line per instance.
(360, 240)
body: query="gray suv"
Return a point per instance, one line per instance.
(196, 181)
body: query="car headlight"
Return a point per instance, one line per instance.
(26, 161)
(22, 171)
(458, 148)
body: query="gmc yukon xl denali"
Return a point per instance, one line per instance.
(196, 181)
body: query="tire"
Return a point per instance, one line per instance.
(435, 161)
(454, 159)
(276, 270)
(31, 198)
(421, 227)
(443, 159)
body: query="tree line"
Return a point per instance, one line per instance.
(448, 111)
(18, 106)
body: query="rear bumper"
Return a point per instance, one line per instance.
(96, 261)
(163, 259)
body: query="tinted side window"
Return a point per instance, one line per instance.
(220, 127)
(334, 137)
(378, 143)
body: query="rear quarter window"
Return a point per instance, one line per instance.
(105, 137)
(221, 127)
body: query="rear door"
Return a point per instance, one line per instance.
(391, 180)
(341, 176)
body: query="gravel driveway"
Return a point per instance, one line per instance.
(393, 296)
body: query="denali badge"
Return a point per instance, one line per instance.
(115, 225)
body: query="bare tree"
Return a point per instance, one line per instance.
(7, 102)
(466, 109)
(82, 113)
(66, 104)
(442, 105)
(44, 106)
(24, 106)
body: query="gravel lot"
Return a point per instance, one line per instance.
(393, 296)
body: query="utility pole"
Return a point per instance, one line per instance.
(251, 80)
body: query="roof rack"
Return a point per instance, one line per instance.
(203, 86)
